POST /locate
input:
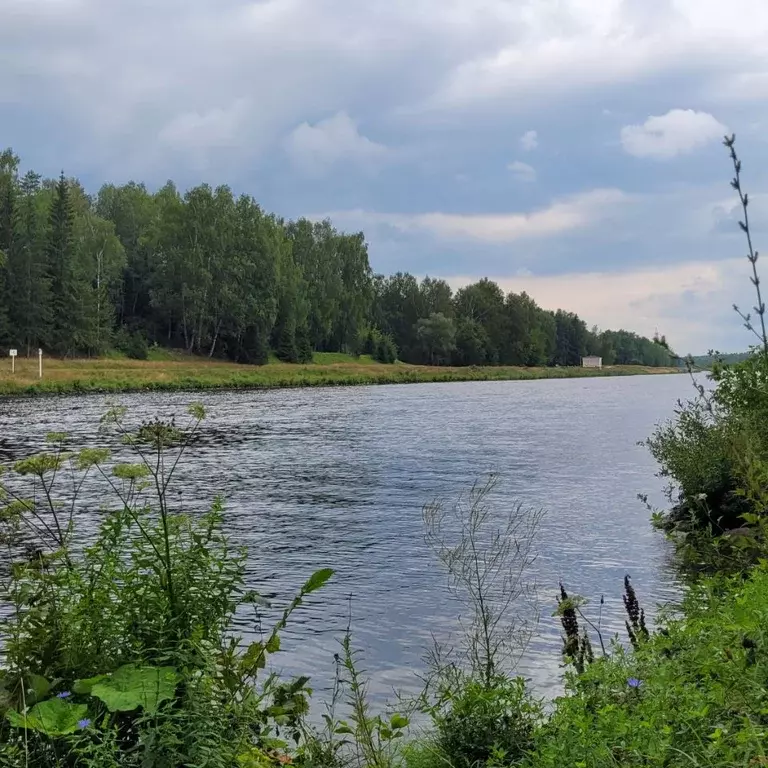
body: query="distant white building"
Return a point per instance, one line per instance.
(592, 362)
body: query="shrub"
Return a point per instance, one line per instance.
(120, 652)
(481, 724)
(132, 343)
(696, 452)
(386, 351)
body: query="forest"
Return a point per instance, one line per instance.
(213, 274)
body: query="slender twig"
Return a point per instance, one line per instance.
(597, 631)
(752, 255)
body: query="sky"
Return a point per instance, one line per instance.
(568, 148)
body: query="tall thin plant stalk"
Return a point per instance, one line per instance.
(752, 254)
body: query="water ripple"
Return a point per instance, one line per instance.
(338, 477)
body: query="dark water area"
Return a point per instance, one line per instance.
(338, 477)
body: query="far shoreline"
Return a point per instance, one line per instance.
(180, 373)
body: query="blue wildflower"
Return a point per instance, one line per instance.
(83, 724)
(633, 682)
(63, 695)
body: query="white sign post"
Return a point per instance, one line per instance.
(13, 353)
(39, 363)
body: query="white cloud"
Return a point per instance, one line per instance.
(680, 131)
(522, 171)
(566, 48)
(573, 213)
(316, 148)
(202, 130)
(529, 141)
(689, 302)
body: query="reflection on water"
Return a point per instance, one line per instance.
(338, 477)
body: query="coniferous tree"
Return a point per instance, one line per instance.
(66, 317)
(303, 344)
(286, 349)
(30, 306)
(8, 177)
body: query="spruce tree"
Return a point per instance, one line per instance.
(29, 282)
(286, 344)
(303, 345)
(6, 237)
(60, 248)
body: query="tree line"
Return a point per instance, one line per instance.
(214, 274)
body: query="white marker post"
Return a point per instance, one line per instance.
(13, 353)
(39, 363)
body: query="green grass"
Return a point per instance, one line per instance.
(167, 370)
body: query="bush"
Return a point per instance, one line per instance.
(385, 350)
(485, 724)
(697, 453)
(132, 343)
(120, 653)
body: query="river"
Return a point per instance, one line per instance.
(338, 477)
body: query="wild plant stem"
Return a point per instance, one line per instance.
(752, 256)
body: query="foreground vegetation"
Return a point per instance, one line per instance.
(215, 275)
(118, 650)
(181, 372)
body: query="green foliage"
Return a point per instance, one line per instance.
(715, 451)
(380, 346)
(134, 629)
(303, 345)
(693, 694)
(372, 738)
(695, 451)
(53, 717)
(712, 359)
(130, 687)
(213, 274)
(437, 336)
(485, 725)
(132, 343)
(471, 343)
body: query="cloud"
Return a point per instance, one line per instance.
(316, 148)
(678, 132)
(573, 213)
(522, 171)
(572, 47)
(117, 78)
(207, 129)
(529, 141)
(690, 302)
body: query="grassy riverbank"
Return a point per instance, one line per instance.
(166, 371)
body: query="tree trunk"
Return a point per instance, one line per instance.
(215, 339)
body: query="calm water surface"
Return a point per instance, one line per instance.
(338, 477)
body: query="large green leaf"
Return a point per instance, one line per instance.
(54, 717)
(39, 686)
(132, 687)
(85, 686)
(317, 580)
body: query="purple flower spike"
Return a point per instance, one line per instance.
(83, 724)
(63, 695)
(633, 682)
